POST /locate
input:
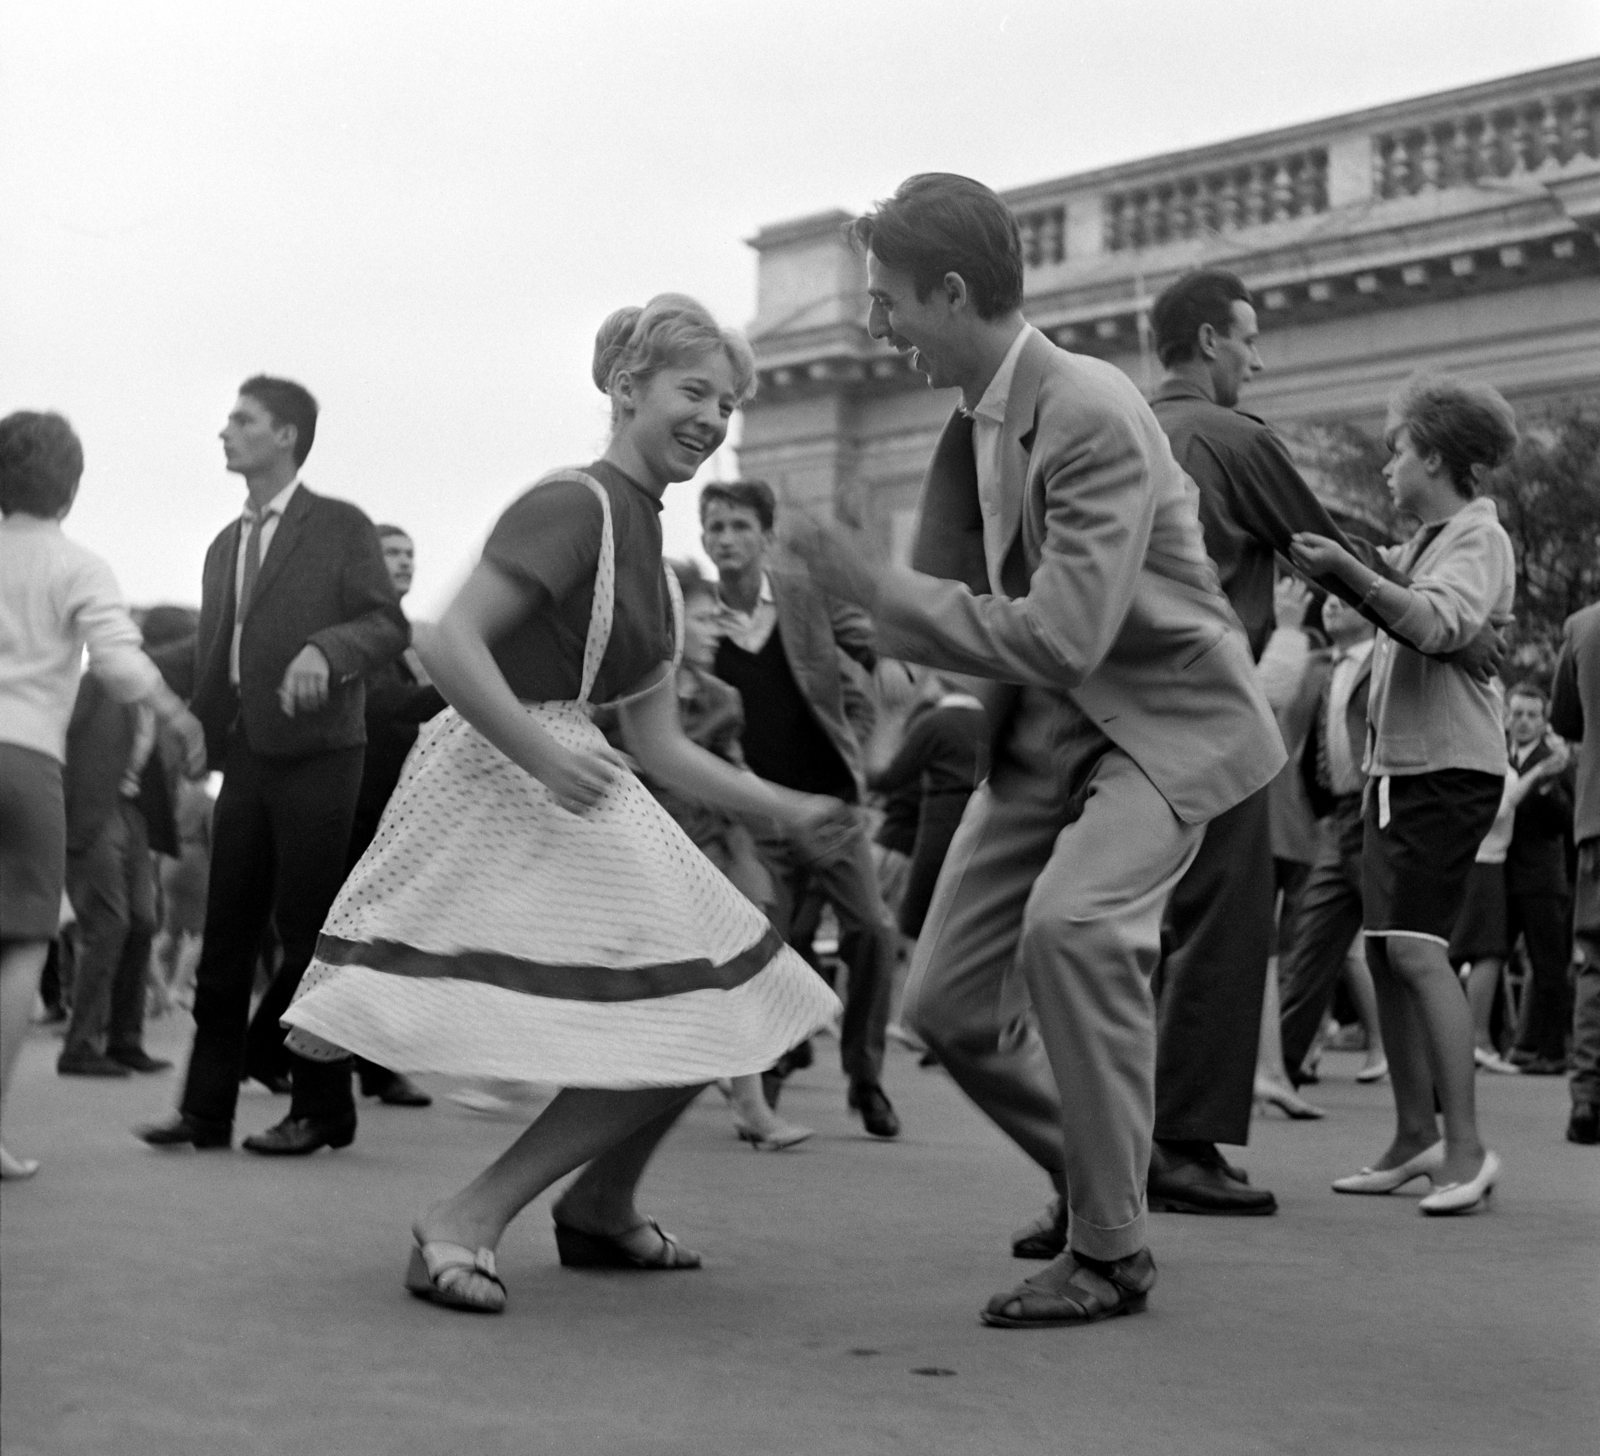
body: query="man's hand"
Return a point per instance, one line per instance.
(831, 558)
(304, 688)
(822, 826)
(580, 778)
(1480, 659)
(185, 727)
(1291, 600)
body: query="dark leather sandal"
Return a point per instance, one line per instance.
(581, 1250)
(438, 1272)
(1071, 1293)
(1045, 1237)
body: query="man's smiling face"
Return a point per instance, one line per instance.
(927, 328)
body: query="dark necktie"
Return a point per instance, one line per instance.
(254, 522)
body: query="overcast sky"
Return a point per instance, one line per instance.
(423, 210)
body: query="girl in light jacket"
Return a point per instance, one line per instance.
(1436, 762)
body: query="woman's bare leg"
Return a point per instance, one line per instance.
(1358, 978)
(1410, 1076)
(1483, 985)
(1273, 1086)
(21, 962)
(618, 1130)
(1443, 1027)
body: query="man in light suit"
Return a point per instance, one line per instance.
(296, 608)
(1059, 550)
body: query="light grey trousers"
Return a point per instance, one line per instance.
(1039, 909)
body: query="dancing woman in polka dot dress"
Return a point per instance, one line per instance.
(527, 910)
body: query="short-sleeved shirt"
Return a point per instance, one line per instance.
(548, 542)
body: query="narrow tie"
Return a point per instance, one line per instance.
(254, 521)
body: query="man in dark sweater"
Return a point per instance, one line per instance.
(1218, 931)
(781, 644)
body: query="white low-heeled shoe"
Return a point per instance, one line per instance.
(1464, 1197)
(1386, 1180)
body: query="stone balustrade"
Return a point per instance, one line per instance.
(1272, 189)
(1519, 139)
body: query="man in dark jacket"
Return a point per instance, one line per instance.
(1218, 933)
(1575, 715)
(296, 609)
(119, 800)
(1538, 902)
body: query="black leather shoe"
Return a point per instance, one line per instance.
(276, 1082)
(88, 1064)
(1184, 1184)
(1045, 1237)
(294, 1137)
(400, 1091)
(137, 1059)
(877, 1112)
(1585, 1124)
(184, 1131)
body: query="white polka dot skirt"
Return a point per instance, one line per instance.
(489, 932)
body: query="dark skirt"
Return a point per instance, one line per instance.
(1416, 857)
(1480, 930)
(33, 843)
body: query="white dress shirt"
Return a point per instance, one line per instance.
(750, 630)
(988, 429)
(1344, 773)
(272, 514)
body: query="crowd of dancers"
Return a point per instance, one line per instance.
(1138, 769)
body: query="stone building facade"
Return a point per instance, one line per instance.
(1457, 231)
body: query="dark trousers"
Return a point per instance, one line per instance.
(279, 839)
(1215, 942)
(1542, 919)
(847, 881)
(1318, 940)
(1586, 989)
(112, 887)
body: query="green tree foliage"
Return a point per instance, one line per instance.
(1549, 500)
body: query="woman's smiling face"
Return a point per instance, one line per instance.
(676, 420)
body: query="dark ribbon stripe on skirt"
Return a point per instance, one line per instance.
(541, 978)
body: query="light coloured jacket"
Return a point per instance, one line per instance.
(1423, 714)
(1108, 599)
(56, 598)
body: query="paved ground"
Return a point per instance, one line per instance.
(219, 1303)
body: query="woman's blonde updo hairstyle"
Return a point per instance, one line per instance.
(671, 330)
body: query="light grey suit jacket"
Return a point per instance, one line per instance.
(1109, 598)
(815, 630)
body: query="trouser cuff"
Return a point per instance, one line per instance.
(1097, 1242)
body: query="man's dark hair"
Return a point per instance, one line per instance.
(289, 404)
(386, 530)
(1203, 297)
(745, 495)
(1526, 689)
(41, 462)
(938, 223)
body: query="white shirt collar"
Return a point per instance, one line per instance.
(1357, 652)
(277, 505)
(993, 404)
(763, 596)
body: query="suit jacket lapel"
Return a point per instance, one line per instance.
(1016, 436)
(283, 541)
